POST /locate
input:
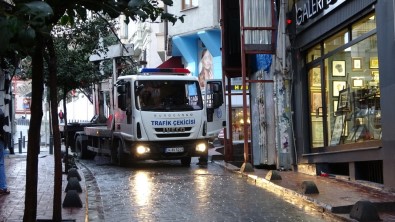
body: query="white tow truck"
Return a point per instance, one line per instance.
(157, 114)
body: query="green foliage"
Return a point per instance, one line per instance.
(18, 26)
(36, 13)
(73, 46)
(76, 36)
(19, 23)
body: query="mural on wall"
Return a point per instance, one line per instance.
(205, 67)
(22, 96)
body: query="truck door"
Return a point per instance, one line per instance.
(215, 106)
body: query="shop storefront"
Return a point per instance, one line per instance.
(343, 85)
(339, 89)
(237, 121)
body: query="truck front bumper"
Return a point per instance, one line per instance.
(162, 150)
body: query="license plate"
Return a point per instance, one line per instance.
(175, 150)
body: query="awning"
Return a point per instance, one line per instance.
(173, 62)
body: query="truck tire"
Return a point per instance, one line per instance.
(82, 150)
(72, 143)
(114, 153)
(186, 161)
(123, 158)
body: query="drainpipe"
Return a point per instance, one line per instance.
(165, 34)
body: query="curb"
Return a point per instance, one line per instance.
(301, 201)
(93, 202)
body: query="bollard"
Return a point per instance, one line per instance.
(12, 146)
(50, 144)
(23, 142)
(20, 145)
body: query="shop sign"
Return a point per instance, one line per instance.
(237, 87)
(309, 9)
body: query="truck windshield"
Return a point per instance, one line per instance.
(168, 95)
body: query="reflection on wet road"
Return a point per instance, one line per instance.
(166, 191)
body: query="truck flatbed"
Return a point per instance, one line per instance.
(100, 131)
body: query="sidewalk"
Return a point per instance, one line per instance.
(12, 205)
(336, 196)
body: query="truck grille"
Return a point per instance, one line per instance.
(170, 135)
(173, 132)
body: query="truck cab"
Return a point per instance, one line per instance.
(160, 114)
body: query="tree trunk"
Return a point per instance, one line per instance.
(65, 131)
(30, 212)
(52, 65)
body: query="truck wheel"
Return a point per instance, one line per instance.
(71, 144)
(186, 161)
(122, 157)
(114, 154)
(82, 150)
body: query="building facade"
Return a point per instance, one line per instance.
(343, 105)
(197, 41)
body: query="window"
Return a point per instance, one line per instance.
(314, 53)
(238, 124)
(186, 4)
(168, 96)
(316, 108)
(334, 42)
(363, 26)
(344, 90)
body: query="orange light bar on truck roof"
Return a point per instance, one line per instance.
(177, 71)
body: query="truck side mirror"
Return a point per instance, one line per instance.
(217, 96)
(121, 89)
(217, 100)
(122, 101)
(215, 88)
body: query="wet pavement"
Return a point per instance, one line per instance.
(167, 191)
(12, 206)
(336, 196)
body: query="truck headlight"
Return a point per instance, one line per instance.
(142, 149)
(201, 147)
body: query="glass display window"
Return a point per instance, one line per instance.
(313, 53)
(336, 41)
(363, 26)
(344, 91)
(238, 124)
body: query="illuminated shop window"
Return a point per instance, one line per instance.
(238, 124)
(344, 92)
(363, 26)
(314, 53)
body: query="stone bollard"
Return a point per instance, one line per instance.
(309, 187)
(20, 145)
(273, 175)
(364, 210)
(72, 199)
(73, 184)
